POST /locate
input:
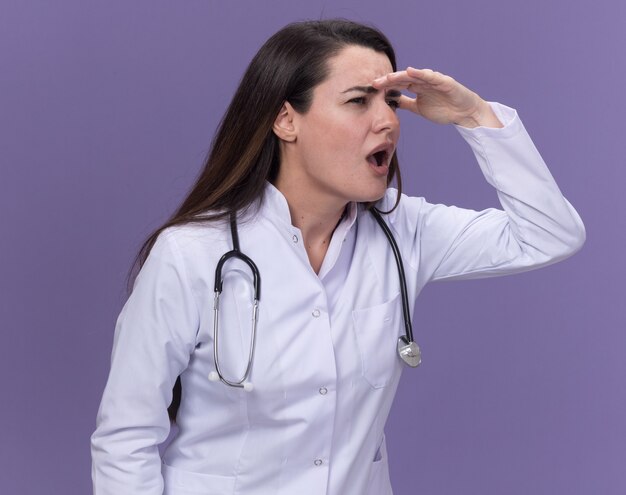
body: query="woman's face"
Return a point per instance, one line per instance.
(345, 141)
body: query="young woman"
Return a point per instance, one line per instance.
(301, 161)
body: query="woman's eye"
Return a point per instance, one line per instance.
(395, 104)
(359, 100)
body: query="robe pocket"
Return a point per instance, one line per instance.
(378, 480)
(179, 482)
(377, 330)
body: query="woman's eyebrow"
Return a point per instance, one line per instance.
(393, 93)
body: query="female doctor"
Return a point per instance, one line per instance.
(303, 154)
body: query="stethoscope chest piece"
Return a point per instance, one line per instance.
(409, 352)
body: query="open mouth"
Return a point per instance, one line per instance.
(379, 158)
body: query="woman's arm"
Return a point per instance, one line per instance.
(537, 225)
(154, 337)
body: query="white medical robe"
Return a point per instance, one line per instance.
(325, 368)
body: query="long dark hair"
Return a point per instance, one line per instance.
(244, 152)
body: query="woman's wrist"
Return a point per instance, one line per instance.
(482, 116)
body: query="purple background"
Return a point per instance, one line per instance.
(106, 112)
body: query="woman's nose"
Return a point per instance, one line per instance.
(386, 118)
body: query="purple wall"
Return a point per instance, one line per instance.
(106, 112)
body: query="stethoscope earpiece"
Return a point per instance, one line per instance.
(215, 377)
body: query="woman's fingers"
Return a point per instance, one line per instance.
(411, 76)
(407, 103)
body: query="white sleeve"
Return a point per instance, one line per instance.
(537, 225)
(154, 337)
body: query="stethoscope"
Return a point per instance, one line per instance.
(408, 350)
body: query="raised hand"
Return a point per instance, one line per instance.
(439, 98)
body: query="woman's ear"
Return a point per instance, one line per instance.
(284, 127)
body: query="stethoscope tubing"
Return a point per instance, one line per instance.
(237, 254)
(408, 329)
